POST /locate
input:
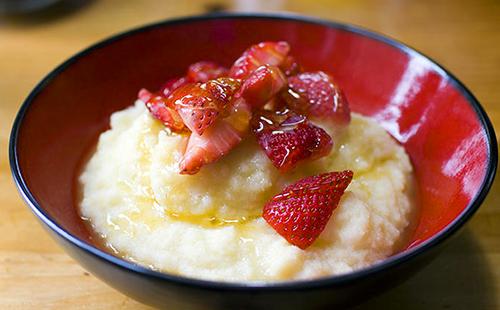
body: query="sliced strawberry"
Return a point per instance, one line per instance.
(144, 95)
(264, 53)
(302, 210)
(315, 94)
(265, 82)
(169, 86)
(223, 89)
(158, 107)
(205, 70)
(204, 149)
(199, 105)
(288, 138)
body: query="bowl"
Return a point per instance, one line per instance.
(444, 129)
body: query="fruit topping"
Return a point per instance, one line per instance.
(263, 84)
(159, 108)
(203, 71)
(288, 138)
(172, 84)
(301, 211)
(209, 147)
(199, 105)
(315, 94)
(264, 53)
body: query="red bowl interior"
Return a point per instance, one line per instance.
(416, 101)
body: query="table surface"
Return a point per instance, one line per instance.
(464, 36)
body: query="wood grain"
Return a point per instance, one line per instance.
(462, 35)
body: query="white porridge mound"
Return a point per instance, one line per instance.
(208, 225)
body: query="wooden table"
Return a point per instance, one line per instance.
(464, 36)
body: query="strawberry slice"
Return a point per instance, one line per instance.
(144, 95)
(265, 82)
(288, 138)
(315, 94)
(223, 89)
(217, 141)
(264, 53)
(169, 86)
(301, 211)
(205, 70)
(199, 105)
(159, 108)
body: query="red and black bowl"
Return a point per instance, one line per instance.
(443, 128)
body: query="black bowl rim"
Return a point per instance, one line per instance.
(329, 281)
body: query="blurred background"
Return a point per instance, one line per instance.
(37, 35)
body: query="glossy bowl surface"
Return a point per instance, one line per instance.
(442, 126)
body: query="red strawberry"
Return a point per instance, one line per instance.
(265, 82)
(199, 105)
(144, 95)
(217, 141)
(223, 89)
(289, 138)
(264, 53)
(158, 107)
(315, 94)
(302, 210)
(205, 70)
(169, 86)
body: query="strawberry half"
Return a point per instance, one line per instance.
(288, 138)
(205, 70)
(159, 109)
(265, 82)
(169, 86)
(199, 105)
(301, 211)
(264, 53)
(315, 94)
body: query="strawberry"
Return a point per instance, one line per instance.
(301, 211)
(216, 142)
(159, 108)
(223, 89)
(288, 138)
(315, 94)
(205, 70)
(264, 53)
(169, 86)
(265, 82)
(144, 95)
(199, 105)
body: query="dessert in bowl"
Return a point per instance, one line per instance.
(182, 181)
(433, 117)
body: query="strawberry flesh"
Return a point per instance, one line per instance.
(315, 94)
(200, 105)
(217, 141)
(159, 109)
(203, 71)
(288, 138)
(264, 53)
(144, 95)
(301, 211)
(169, 86)
(263, 84)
